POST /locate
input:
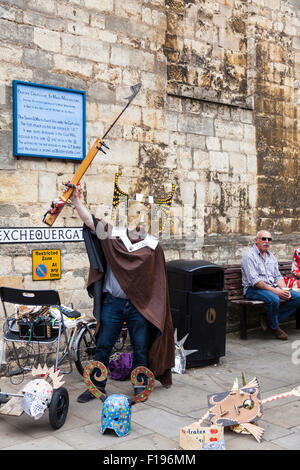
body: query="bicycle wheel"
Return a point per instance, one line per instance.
(85, 346)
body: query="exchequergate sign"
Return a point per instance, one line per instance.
(40, 234)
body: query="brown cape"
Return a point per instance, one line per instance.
(142, 276)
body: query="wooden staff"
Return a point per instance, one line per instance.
(58, 204)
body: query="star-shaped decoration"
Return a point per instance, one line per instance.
(181, 354)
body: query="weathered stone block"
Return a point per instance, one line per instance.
(36, 19)
(30, 284)
(47, 187)
(195, 141)
(71, 263)
(172, 121)
(228, 129)
(213, 143)
(230, 145)
(296, 43)
(48, 7)
(219, 161)
(11, 53)
(84, 48)
(128, 9)
(2, 94)
(201, 160)
(104, 5)
(14, 187)
(23, 264)
(187, 191)
(19, 34)
(12, 281)
(37, 58)
(5, 266)
(73, 65)
(237, 162)
(132, 58)
(7, 161)
(48, 40)
(196, 125)
(80, 15)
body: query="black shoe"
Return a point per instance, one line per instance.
(85, 397)
(88, 396)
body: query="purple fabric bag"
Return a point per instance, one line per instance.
(120, 368)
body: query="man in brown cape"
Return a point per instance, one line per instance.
(127, 281)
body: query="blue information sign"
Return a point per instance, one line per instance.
(48, 121)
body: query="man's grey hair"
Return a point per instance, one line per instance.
(262, 230)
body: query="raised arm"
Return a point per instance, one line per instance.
(82, 211)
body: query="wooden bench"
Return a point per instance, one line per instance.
(233, 285)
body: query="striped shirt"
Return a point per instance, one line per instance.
(255, 268)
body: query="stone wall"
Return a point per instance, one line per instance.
(217, 115)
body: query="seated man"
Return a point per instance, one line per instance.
(262, 280)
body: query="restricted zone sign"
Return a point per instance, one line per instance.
(46, 265)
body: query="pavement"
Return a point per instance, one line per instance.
(157, 422)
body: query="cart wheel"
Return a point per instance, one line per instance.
(58, 408)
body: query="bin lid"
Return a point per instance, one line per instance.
(192, 266)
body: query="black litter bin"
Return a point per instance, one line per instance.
(198, 305)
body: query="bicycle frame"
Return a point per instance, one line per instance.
(74, 334)
(76, 340)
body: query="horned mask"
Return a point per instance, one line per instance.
(142, 208)
(116, 410)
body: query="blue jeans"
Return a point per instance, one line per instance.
(114, 312)
(276, 311)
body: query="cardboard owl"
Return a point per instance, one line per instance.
(239, 406)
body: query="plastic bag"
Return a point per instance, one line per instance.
(120, 368)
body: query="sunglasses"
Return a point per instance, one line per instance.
(264, 239)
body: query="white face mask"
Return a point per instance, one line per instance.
(33, 406)
(37, 397)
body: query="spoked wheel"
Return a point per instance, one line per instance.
(59, 407)
(85, 347)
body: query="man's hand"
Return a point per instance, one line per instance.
(279, 290)
(74, 196)
(83, 213)
(283, 294)
(285, 291)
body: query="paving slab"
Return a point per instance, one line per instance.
(89, 437)
(249, 443)
(273, 431)
(44, 443)
(286, 415)
(10, 435)
(289, 442)
(187, 398)
(149, 442)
